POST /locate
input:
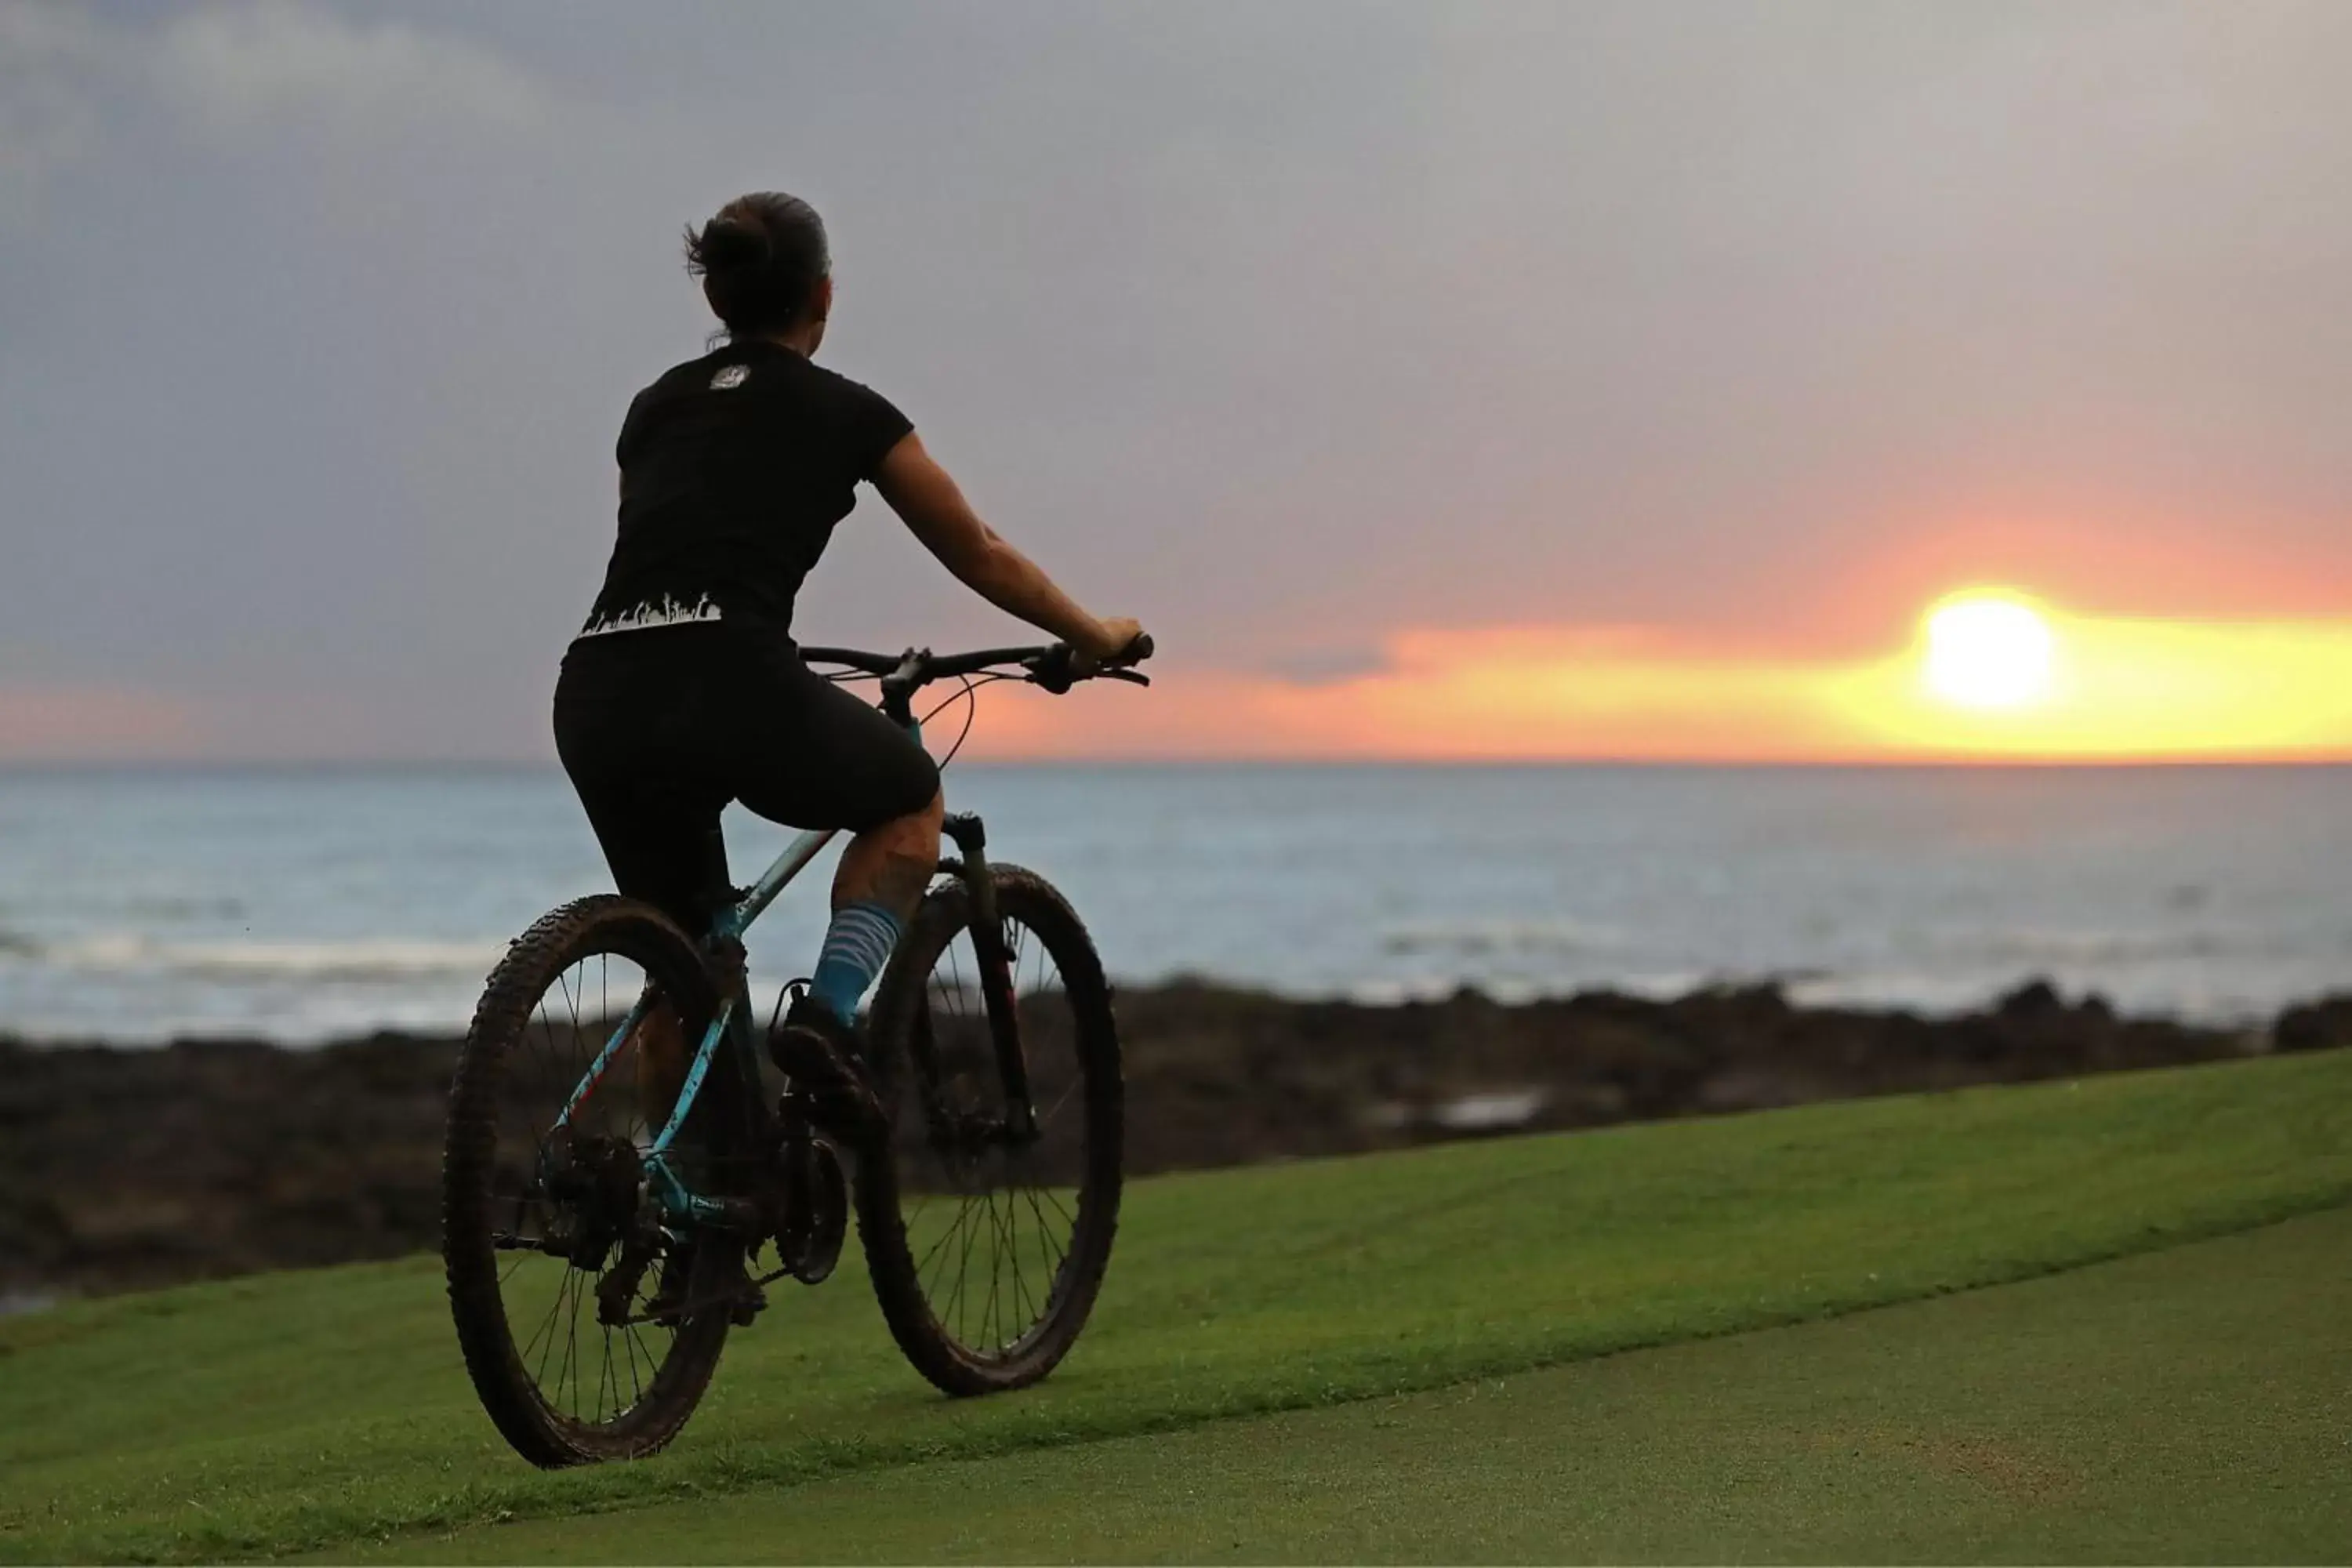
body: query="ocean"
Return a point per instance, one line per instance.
(302, 905)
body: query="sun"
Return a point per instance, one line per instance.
(1989, 651)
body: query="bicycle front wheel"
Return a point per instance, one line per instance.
(987, 1241)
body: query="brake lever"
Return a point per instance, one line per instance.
(1133, 677)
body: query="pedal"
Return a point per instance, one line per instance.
(823, 1058)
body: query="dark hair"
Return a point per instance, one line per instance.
(760, 257)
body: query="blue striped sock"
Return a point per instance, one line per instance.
(856, 945)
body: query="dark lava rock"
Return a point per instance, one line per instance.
(2314, 1026)
(127, 1168)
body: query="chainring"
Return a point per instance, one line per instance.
(815, 1220)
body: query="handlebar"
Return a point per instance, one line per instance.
(1054, 666)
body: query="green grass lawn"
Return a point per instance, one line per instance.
(2188, 1404)
(328, 1409)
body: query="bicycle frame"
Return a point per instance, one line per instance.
(681, 1204)
(678, 1201)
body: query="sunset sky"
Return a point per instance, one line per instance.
(1777, 382)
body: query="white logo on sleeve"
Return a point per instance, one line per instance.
(729, 378)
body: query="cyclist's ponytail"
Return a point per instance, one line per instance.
(761, 258)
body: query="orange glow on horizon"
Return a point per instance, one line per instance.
(1991, 675)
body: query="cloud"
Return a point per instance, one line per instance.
(233, 67)
(68, 77)
(47, 117)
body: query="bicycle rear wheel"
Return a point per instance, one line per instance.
(557, 1277)
(987, 1247)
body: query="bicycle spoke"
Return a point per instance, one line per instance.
(546, 1324)
(629, 1351)
(1046, 1243)
(1060, 1101)
(603, 1379)
(1011, 1228)
(992, 1266)
(945, 1236)
(572, 1351)
(652, 1361)
(963, 1272)
(570, 1335)
(988, 1309)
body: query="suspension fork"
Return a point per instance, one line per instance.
(995, 974)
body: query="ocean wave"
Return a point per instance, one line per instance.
(1499, 936)
(2030, 945)
(383, 959)
(1513, 990)
(184, 907)
(1934, 993)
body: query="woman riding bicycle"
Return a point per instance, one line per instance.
(685, 691)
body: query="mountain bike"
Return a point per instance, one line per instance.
(624, 1177)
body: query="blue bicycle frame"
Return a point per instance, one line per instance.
(680, 1203)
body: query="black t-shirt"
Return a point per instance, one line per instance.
(734, 469)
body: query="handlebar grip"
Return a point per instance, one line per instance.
(1057, 669)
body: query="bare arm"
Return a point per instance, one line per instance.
(935, 511)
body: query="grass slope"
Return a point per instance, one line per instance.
(2186, 1406)
(303, 1411)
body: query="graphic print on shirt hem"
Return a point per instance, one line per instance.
(667, 611)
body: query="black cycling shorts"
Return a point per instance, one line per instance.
(660, 729)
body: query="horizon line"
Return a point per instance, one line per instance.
(412, 764)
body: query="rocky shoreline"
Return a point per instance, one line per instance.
(127, 1168)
